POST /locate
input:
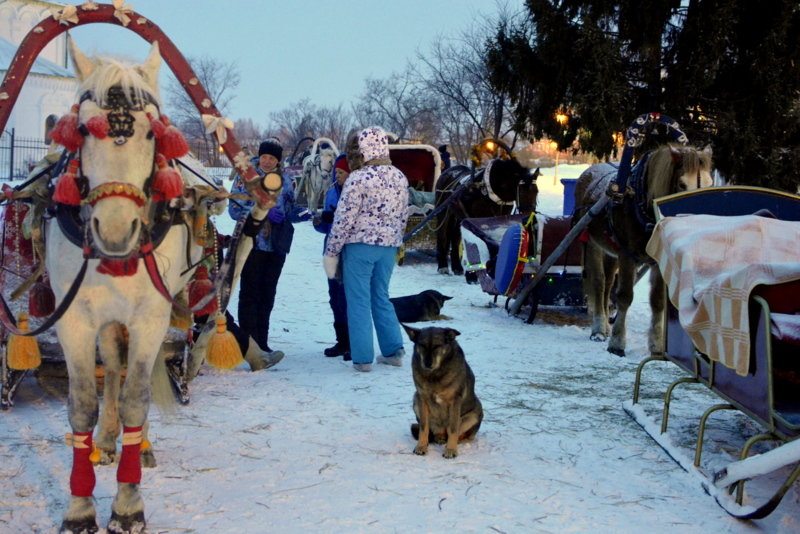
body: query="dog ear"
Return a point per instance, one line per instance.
(445, 297)
(452, 333)
(411, 331)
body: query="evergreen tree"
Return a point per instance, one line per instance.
(726, 70)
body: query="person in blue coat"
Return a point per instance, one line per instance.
(323, 223)
(272, 242)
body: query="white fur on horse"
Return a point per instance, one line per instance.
(711, 264)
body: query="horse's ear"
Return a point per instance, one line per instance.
(708, 150)
(83, 65)
(675, 153)
(152, 64)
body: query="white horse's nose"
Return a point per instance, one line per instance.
(115, 226)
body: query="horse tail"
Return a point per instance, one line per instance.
(161, 387)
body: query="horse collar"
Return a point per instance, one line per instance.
(487, 184)
(76, 231)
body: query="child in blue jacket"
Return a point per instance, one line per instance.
(323, 223)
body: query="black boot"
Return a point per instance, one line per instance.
(342, 346)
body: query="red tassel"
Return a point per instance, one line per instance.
(98, 126)
(157, 127)
(41, 301)
(168, 183)
(199, 288)
(67, 191)
(66, 132)
(172, 143)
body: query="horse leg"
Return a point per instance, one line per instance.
(657, 306)
(595, 291)
(626, 277)
(442, 243)
(610, 267)
(77, 342)
(455, 247)
(127, 510)
(112, 347)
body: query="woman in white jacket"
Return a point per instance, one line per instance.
(367, 231)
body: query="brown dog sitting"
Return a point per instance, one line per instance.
(445, 404)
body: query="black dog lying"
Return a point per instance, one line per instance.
(425, 306)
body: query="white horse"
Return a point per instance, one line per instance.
(124, 202)
(317, 169)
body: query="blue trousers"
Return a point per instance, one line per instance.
(367, 270)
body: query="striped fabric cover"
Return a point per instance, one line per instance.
(711, 264)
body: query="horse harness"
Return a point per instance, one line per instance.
(161, 215)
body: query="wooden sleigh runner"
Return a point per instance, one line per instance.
(751, 363)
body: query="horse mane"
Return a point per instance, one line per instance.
(111, 72)
(667, 163)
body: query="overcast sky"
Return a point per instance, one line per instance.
(292, 49)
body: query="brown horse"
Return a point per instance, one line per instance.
(492, 192)
(617, 237)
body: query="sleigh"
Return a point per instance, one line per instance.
(422, 165)
(733, 326)
(504, 252)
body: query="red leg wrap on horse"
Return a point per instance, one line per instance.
(130, 463)
(81, 481)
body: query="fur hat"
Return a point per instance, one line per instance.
(272, 148)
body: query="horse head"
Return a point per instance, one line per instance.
(117, 112)
(507, 180)
(327, 157)
(675, 168)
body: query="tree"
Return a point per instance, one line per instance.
(725, 69)
(220, 80)
(303, 120)
(400, 105)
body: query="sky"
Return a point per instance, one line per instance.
(290, 50)
(312, 446)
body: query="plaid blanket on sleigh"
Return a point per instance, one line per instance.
(711, 264)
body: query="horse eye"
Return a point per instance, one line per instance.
(682, 186)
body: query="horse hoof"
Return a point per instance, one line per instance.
(443, 270)
(126, 524)
(107, 457)
(79, 526)
(148, 459)
(618, 352)
(597, 336)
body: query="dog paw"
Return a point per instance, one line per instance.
(420, 451)
(450, 453)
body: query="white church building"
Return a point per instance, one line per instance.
(48, 90)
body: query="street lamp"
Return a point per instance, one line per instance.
(561, 119)
(554, 146)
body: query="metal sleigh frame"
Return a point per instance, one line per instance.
(757, 394)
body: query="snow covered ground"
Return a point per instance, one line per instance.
(312, 446)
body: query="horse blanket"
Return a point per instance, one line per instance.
(711, 264)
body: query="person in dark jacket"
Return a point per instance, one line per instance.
(262, 269)
(322, 223)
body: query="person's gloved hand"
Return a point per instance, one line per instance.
(330, 263)
(276, 215)
(327, 217)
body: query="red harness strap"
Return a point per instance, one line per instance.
(81, 480)
(130, 463)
